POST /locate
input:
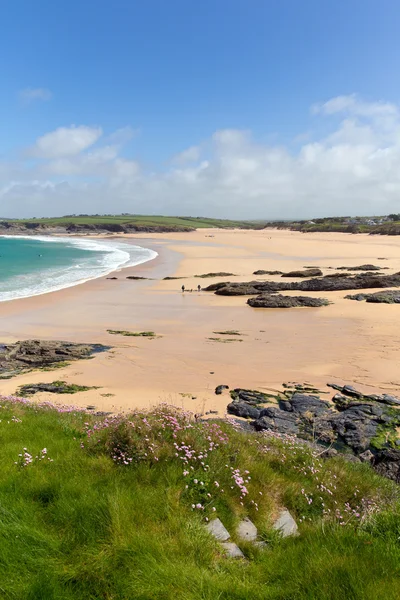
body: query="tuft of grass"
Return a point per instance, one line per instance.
(224, 340)
(85, 525)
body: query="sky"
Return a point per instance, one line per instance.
(258, 109)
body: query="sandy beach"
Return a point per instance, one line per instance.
(346, 342)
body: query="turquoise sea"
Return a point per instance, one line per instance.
(30, 266)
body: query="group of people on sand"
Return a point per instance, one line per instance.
(184, 289)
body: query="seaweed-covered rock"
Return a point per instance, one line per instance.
(279, 301)
(305, 405)
(220, 274)
(313, 272)
(253, 397)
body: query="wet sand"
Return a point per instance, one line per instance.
(346, 342)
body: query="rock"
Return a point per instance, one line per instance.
(273, 419)
(31, 354)
(387, 463)
(317, 284)
(220, 388)
(136, 278)
(357, 425)
(253, 397)
(217, 530)
(172, 278)
(386, 297)
(366, 456)
(285, 524)
(367, 267)
(214, 287)
(310, 406)
(261, 272)
(279, 301)
(348, 390)
(306, 273)
(221, 274)
(244, 410)
(232, 550)
(113, 278)
(247, 531)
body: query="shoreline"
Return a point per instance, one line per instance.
(347, 342)
(70, 240)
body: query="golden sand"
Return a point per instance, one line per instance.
(346, 342)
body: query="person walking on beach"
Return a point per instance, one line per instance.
(199, 288)
(183, 289)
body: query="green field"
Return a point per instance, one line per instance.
(107, 508)
(132, 221)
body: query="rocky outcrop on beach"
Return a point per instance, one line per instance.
(363, 426)
(261, 272)
(313, 272)
(33, 354)
(279, 301)
(387, 297)
(366, 267)
(318, 284)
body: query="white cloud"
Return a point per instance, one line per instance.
(189, 155)
(29, 95)
(65, 141)
(354, 169)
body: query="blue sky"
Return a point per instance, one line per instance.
(172, 76)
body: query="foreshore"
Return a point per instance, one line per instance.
(345, 342)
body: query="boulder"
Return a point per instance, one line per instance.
(387, 463)
(274, 419)
(279, 301)
(244, 410)
(285, 524)
(252, 397)
(232, 550)
(246, 531)
(386, 297)
(313, 272)
(218, 530)
(261, 272)
(220, 388)
(367, 267)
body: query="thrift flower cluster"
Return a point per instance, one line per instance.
(25, 458)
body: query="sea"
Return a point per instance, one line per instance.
(30, 266)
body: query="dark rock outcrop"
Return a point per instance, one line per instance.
(220, 388)
(367, 267)
(350, 391)
(262, 272)
(279, 301)
(386, 297)
(274, 419)
(252, 397)
(387, 463)
(306, 273)
(318, 284)
(220, 274)
(244, 410)
(31, 354)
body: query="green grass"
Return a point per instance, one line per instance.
(142, 221)
(87, 527)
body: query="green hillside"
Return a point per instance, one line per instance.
(115, 508)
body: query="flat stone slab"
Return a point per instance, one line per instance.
(247, 531)
(285, 524)
(232, 550)
(217, 530)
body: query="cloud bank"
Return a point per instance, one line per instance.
(352, 169)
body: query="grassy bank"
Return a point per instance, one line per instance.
(130, 222)
(114, 508)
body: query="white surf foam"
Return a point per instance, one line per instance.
(108, 256)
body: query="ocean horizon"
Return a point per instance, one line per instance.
(31, 266)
